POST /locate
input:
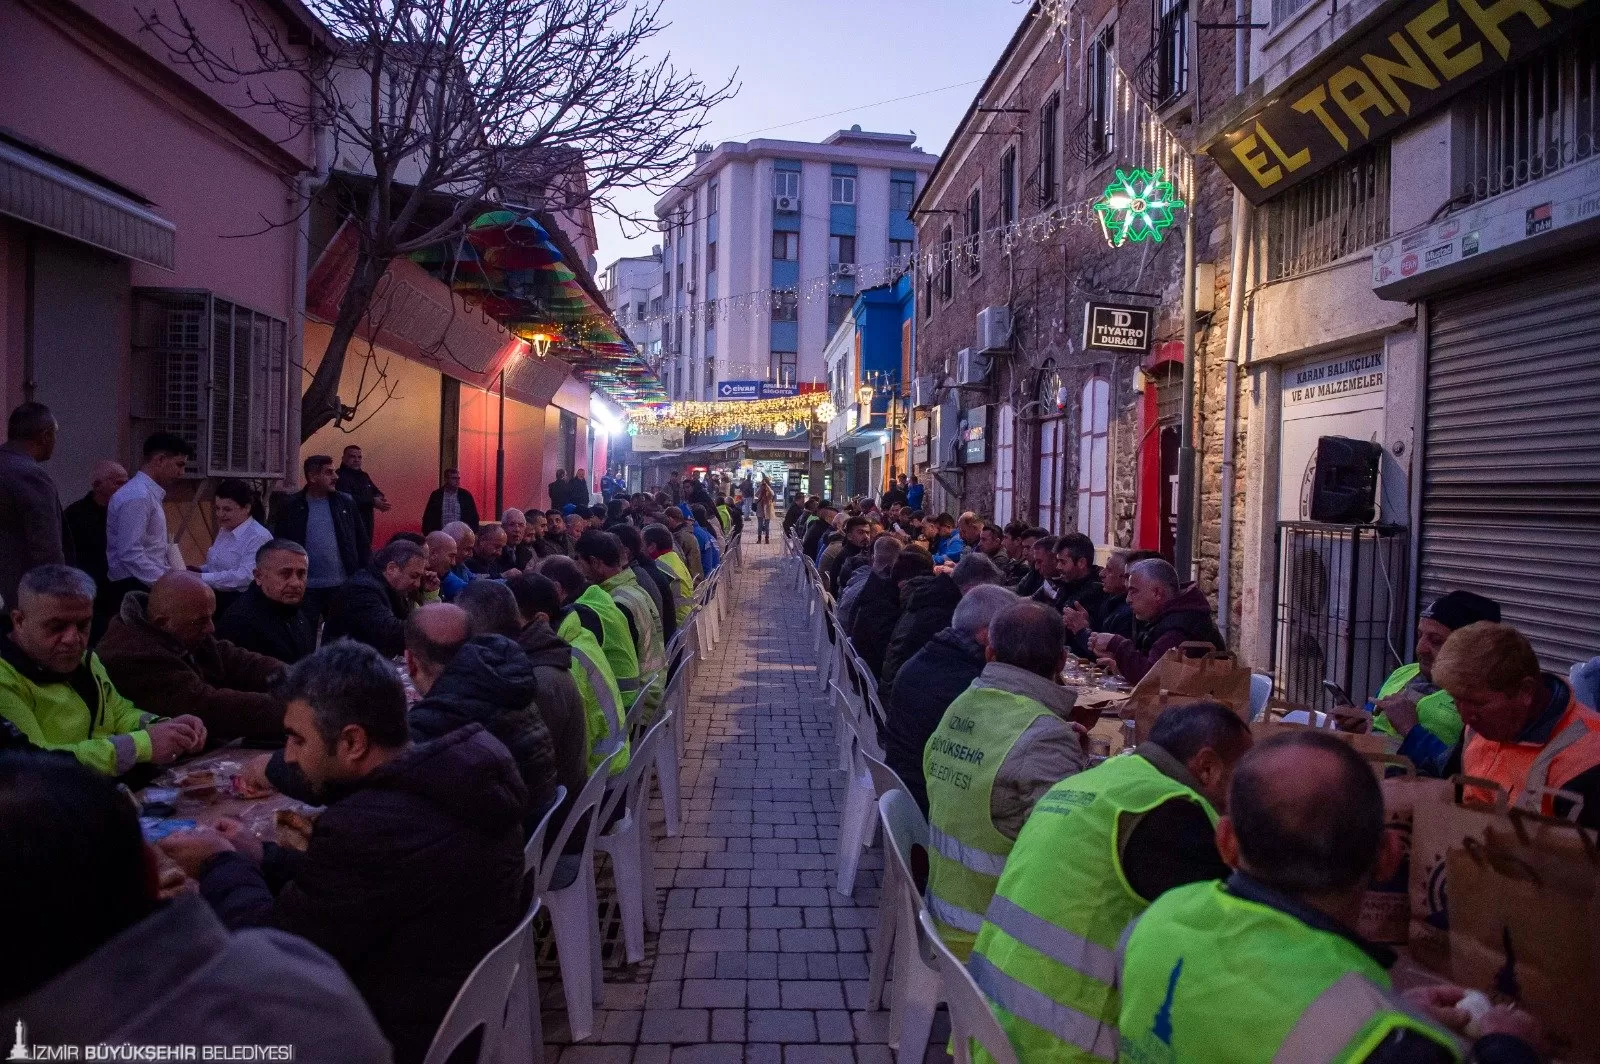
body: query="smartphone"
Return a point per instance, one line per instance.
(1340, 697)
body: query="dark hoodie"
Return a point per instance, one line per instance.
(561, 706)
(365, 608)
(1187, 619)
(491, 682)
(930, 602)
(413, 874)
(937, 674)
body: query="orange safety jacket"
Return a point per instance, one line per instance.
(1529, 771)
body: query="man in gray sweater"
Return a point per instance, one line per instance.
(30, 509)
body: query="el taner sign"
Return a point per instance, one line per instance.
(1404, 65)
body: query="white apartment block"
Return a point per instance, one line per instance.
(764, 246)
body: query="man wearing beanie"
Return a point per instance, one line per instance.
(1409, 704)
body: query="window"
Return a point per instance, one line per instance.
(841, 249)
(1283, 9)
(843, 189)
(1172, 49)
(947, 245)
(1101, 89)
(680, 276)
(1094, 440)
(838, 310)
(974, 242)
(785, 305)
(1337, 213)
(1005, 466)
(786, 246)
(927, 295)
(1008, 186)
(785, 367)
(711, 257)
(711, 198)
(215, 373)
(901, 250)
(786, 183)
(638, 311)
(1052, 448)
(1532, 120)
(1049, 123)
(901, 195)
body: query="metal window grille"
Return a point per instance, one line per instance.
(216, 374)
(1533, 120)
(1341, 609)
(1333, 215)
(1172, 49)
(974, 241)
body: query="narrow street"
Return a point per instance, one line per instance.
(759, 959)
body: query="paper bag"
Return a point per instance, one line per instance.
(1386, 905)
(1189, 673)
(1367, 744)
(1525, 924)
(1439, 824)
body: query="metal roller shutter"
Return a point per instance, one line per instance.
(1511, 474)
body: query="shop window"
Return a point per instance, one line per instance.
(1094, 443)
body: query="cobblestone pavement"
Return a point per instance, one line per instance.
(759, 960)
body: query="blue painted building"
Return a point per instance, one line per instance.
(873, 349)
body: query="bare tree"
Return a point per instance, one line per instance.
(545, 103)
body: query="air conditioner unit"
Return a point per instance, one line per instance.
(846, 269)
(787, 204)
(972, 368)
(994, 329)
(922, 389)
(1340, 610)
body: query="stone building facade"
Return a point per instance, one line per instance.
(1076, 439)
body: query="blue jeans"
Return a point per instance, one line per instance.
(763, 530)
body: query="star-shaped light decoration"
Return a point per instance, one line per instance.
(1137, 206)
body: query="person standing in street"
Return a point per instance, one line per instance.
(324, 521)
(578, 491)
(449, 502)
(766, 504)
(355, 482)
(137, 547)
(30, 508)
(558, 490)
(86, 535)
(914, 494)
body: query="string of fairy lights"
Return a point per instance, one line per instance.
(778, 415)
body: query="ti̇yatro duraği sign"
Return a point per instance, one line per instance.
(1412, 59)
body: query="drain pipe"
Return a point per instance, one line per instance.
(306, 186)
(1243, 217)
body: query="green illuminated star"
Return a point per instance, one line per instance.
(1137, 206)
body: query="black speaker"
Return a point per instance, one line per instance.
(1345, 483)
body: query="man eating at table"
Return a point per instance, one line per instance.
(414, 871)
(57, 694)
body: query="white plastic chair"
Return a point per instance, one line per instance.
(627, 842)
(574, 907)
(970, 1015)
(857, 822)
(918, 986)
(533, 849)
(884, 780)
(667, 753)
(1260, 694)
(488, 1001)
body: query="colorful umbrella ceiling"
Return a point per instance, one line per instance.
(508, 265)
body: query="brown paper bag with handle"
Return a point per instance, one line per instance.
(1191, 672)
(1525, 924)
(1386, 905)
(1439, 824)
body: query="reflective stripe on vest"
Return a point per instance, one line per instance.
(618, 644)
(1068, 1024)
(1331, 1026)
(1059, 944)
(598, 690)
(1539, 772)
(953, 849)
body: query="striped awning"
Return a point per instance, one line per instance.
(41, 193)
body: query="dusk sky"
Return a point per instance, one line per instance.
(807, 58)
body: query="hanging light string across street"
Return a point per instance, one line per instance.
(757, 414)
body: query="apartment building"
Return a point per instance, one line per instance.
(765, 245)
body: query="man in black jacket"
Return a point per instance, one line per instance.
(878, 607)
(354, 482)
(941, 670)
(336, 550)
(372, 606)
(462, 506)
(1041, 564)
(929, 605)
(1076, 587)
(85, 522)
(272, 617)
(484, 680)
(578, 491)
(414, 871)
(819, 526)
(799, 511)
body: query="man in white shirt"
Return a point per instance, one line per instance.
(231, 561)
(136, 524)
